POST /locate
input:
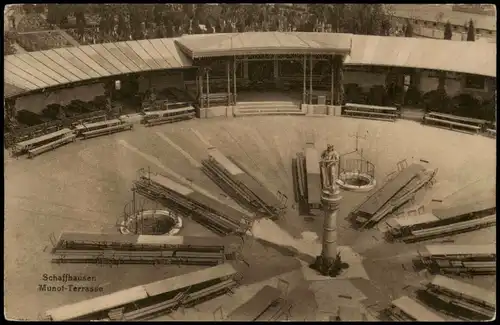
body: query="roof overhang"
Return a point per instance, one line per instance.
(265, 43)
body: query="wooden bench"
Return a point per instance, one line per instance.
(210, 292)
(164, 307)
(453, 121)
(107, 130)
(116, 314)
(215, 98)
(491, 132)
(384, 113)
(51, 146)
(91, 119)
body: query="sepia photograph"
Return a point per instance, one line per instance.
(250, 162)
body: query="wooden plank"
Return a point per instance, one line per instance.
(254, 307)
(374, 107)
(186, 280)
(94, 305)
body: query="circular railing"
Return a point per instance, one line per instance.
(356, 174)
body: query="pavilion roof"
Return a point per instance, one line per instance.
(455, 56)
(33, 71)
(37, 70)
(230, 44)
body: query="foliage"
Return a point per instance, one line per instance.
(437, 101)
(139, 21)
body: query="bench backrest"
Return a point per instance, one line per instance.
(373, 107)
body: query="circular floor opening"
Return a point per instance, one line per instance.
(354, 181)
(152, 222)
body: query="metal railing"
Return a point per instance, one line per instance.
(356, 165)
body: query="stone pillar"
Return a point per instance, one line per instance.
(304, 68)
(329, 262)
(330, 202)
(310, 79)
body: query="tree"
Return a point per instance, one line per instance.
(56, 13)
(408, 29)
(365, 19)
(200, 13)
(170, 29)
(209, 27)
(158, 13)
(241, 26)
(80, 21)
(441, 89)
(104, 21)
(448, 34)
(471, 32)
(122, 27)
(227, 27)
(188, 10)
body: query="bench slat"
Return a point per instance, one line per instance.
(370, 113)
(50, 146)
(374, 107)
(108, 130)
(167, 119)
(473, 127)
(450, 117)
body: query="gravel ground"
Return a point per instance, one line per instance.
(85, 186)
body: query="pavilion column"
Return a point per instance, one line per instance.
(310, 79)
(197, 79)
(304, 69)
(228, 70)
(332, 75)
(341, 80)
(339, 76)
(200, 83)
(208, 89)
(235, 95)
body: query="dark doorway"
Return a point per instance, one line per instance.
(261, 71)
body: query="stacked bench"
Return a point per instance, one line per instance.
(92, 117)
(492, 131)
(455, 122)
(44, 143)
(384, 113)
(92, 130)
(168, 116)
(61, 141)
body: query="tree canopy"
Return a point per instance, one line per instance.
(125, 21)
